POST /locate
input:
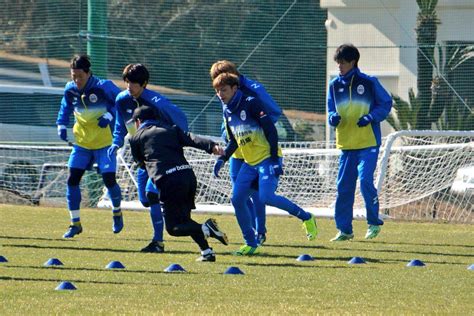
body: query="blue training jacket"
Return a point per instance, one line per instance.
(250, 129)
(353, 96)
(88, 105)
(256, 89)
(126, 104)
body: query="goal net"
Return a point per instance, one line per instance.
(420, 175)
(34, 174)
(415, 176)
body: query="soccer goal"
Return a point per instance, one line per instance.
(420, 175)
(415, 177)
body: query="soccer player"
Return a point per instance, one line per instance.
(92, 100)
(251, 129)
(136, 77)
(357, 103)
(158, 147)
(254, 89)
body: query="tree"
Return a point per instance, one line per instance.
(436, 102)
(426, 33)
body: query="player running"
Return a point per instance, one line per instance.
(92, 100)
(251, 129)
(158, 147)
(255, 89)
(137, 76)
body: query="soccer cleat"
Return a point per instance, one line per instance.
(118, 224)
(215, 232)
(372, 231)
(311, 228)
(209, 257)
(261, 238)
(247, 250)
(73, 231)
(342, 236)
(154, 247)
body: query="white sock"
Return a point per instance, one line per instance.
(74, 215)
(207, 252)
(205, 231)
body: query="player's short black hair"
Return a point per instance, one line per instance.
(82, 62)
(144, 112)
(136, 73)
(347, 52)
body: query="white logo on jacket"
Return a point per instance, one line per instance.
(93, 98)
(243, 115)
(360, 89)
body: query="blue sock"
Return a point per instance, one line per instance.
(157, 222)
(115, 196)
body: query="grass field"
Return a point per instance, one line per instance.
(274, 282)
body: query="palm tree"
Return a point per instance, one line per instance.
(426, 33)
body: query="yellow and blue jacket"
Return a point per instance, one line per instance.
(250, 129)
(255, 89)
(353, 96)
(88, 105)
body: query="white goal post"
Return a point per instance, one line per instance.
(420, 175)
(413, 166)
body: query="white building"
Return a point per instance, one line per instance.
(384, 32)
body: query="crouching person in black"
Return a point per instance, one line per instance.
(159, 148)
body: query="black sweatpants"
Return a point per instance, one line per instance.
(177, 192)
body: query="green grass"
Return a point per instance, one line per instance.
(274, 282)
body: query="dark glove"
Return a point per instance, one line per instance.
(334, 119)
(105, 120)
(277, 166)
(62, 132)
(364, 120)
(217, 167)
(112, 151)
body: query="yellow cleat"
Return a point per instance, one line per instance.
(247, 250)
(311, 228)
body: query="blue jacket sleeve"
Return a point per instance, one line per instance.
(111, 90)
(120, 129)
(256, 89)
(331, 104)
(231, 145)
(172, 115)
(65, 111)
(382, 102)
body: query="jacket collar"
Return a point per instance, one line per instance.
(348, 76)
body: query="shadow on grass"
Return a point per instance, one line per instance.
(31, 238)
(91, 269)
(23, 279)
(418, 252)
(292, 265)
(305, 246)
(413, 244)
(173, 252)
(269, 255)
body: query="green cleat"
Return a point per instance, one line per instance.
(372, 231)
(342, 236)
(247, 250)
(311, 228)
